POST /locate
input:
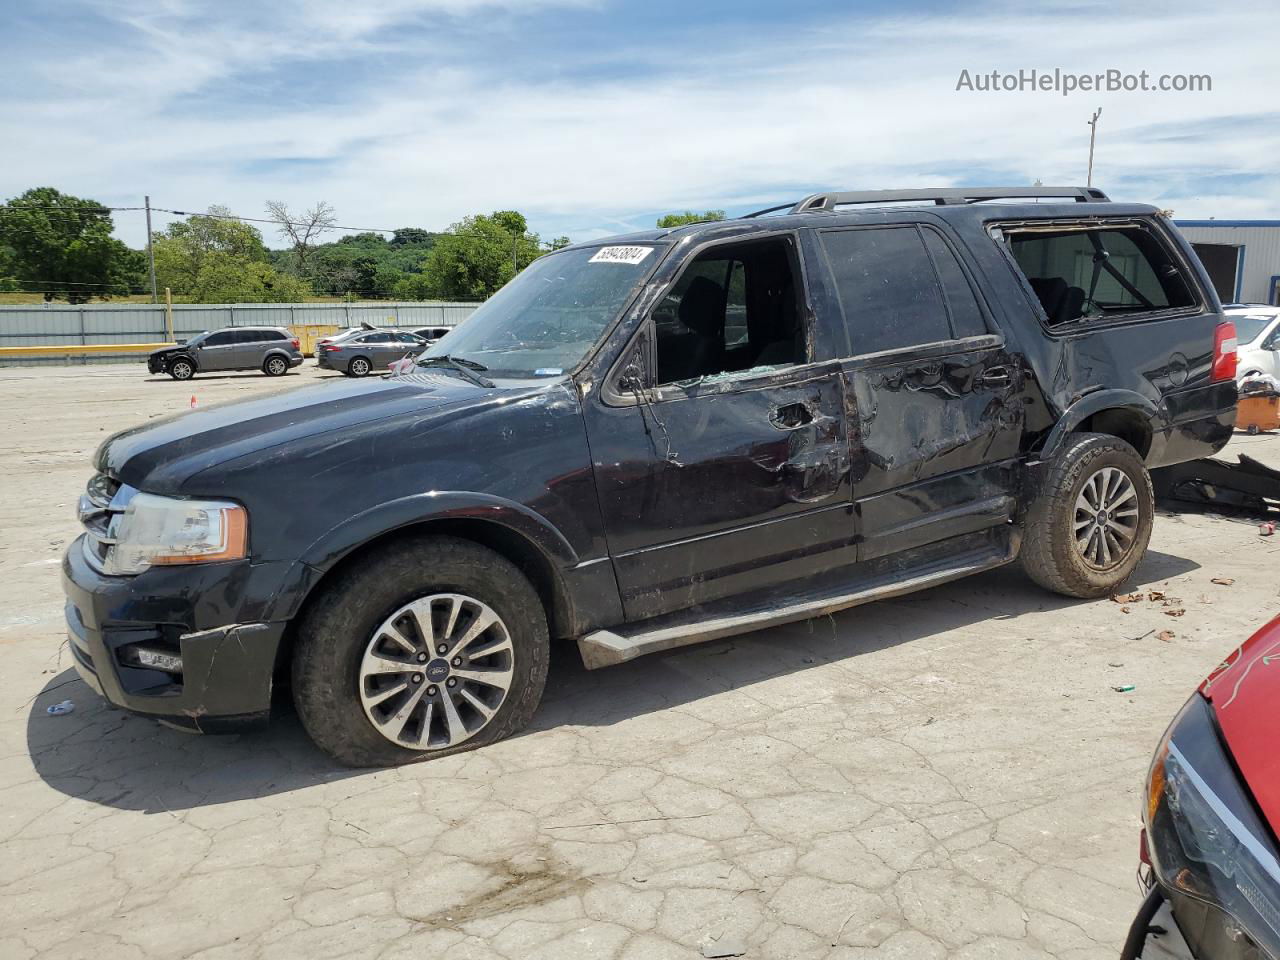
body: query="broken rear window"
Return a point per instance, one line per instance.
(1099, 273)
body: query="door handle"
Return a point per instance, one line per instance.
(995, 377)
(789, 416)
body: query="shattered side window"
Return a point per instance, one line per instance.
(733, 312)
(1095, 274)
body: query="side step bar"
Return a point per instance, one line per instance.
(605, 648)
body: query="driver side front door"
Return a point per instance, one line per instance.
(734, 477)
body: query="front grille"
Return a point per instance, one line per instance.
(104, 500)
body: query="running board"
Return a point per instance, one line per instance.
(605, 648)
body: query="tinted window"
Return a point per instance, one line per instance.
(378, 338)
(966, 315)
(220, 339)
(1099, 273)
(272, 335)
(408, 338)
(886, 287)
(251, 336)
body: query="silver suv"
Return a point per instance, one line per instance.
(273, 350)
(361, 352)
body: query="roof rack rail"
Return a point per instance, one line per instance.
(953, 195)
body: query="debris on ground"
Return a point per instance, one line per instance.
(1124, 688)
(1267, 529)
(1247, 487)
(1223, 581)
(1126, 597)
(1155, 595)
(1175, 612)
(61, 709)
(1165, 635)
(725, 946)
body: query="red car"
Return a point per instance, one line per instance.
(1212, 816)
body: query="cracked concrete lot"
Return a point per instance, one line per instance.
(949, 774)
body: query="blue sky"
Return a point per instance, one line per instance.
(594, 116)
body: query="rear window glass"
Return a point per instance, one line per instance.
(887, 288)
(1099, 274)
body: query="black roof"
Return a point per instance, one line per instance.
(965, 207)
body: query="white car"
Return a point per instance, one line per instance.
(1257, 338)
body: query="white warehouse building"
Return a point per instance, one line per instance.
(1241, 256)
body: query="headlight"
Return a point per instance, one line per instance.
(154, 531)
(1210, 850)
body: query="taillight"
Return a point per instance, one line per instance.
(334, 349)
(1224, 352)
(296, 343)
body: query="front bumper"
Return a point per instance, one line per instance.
(211, 615)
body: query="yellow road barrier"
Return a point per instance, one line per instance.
(81, 349)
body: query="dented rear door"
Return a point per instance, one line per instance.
(935, 404)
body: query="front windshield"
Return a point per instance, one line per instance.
(544, 321)
(1249, 326)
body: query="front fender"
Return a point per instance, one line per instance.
(439, 505)
(1096, 402)
(329, 549)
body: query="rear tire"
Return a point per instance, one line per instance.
(275, 366)
(359, 367)
(182, 369)
(362, 709)
(1088, 527)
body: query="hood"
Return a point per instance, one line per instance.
(164, 350)
(159, 456)
(1244, 691)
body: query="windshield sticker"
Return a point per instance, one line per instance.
(548, 372)
(629, 255)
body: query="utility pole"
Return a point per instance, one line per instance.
(151, 257)
(514, 269)
(1093, 136)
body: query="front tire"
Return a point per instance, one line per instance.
(359, 367)
(1088, 527)
(370, 681)
(182, 369)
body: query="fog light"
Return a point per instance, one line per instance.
(156, 659)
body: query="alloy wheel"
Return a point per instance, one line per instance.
(436, 671)
(1105, 523)
(359, 367)
(276, 367)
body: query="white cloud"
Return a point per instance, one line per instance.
(861, 103)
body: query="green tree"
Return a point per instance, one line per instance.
(63, 245)
(476, 257)
(689, 216)
(211, 258)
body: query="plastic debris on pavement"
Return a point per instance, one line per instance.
(1124, 688)
(61, 709)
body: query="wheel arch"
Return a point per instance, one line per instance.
(514, 532)
(1119, 413)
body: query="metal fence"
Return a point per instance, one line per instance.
(65, 326)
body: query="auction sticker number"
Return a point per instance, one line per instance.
(620, 254)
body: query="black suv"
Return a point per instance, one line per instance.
(654, 440)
